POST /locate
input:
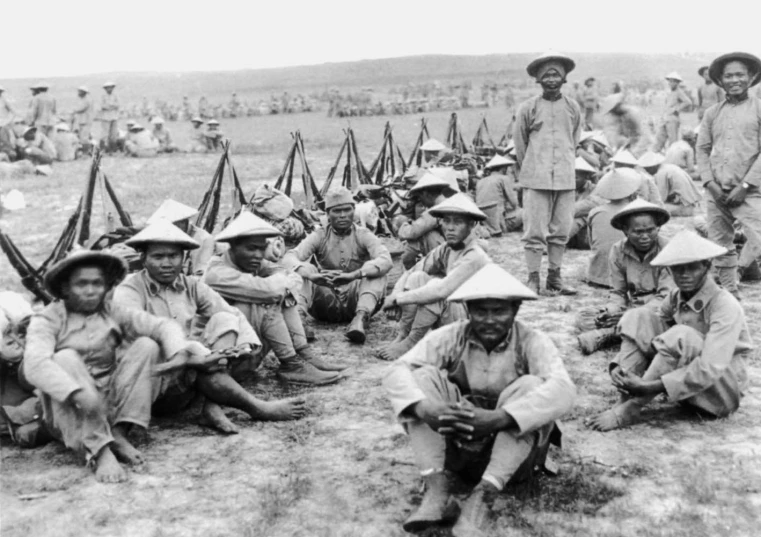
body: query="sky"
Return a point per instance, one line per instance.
(75, 37)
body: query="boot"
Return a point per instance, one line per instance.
(425, 319)
(475, 517)
(436, 507)
(297, 371)
(533, 282)
(309, 355)
(356, 331)
(594, 340)
(555, 283)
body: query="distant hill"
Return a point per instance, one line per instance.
(378, 74)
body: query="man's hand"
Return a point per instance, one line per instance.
(633, 385)
(429, 412)
(322, 279)
(193, 355)
(716, 192)
(737, 196)
(472, 423)
(342, 278)
(392, 309)
(608, 320)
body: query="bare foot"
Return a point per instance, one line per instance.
(394, 350)
(107, 468)
(618, 417)
(123, 450)
(282, 410)
(213, 416)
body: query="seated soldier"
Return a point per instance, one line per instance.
(91, 394)
(140, 142)
(163, 135)
(35, 147)
(682, 153)
(479, 397)
(265, 293)
(180, 214)
(198, 142)
(619, 187)
(676, 188)
(213, 135)
(693, 349)
(347, 281)
(496, 197)
(66, 143)
(578, 238)
(423, 234)
(432, 150)
(648, 190)
(420, 294)
(633, 281)
(162, 290)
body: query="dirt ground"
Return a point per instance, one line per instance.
(346, 469)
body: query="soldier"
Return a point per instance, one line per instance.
(590, 101)
(728, 147)
(547, 177)
(83, 117)
(675, 187)
(66, 143)
(7, 113)
(585, 201)
(213, 135)
(94, 392)
(420, 294)
(162, 290)
(140, 142)
(180, 214)
(109, 116)
(164, 137)
(479, 397)
(266, 294)
(347, 279)
(623, 125)
(496, 197)
(633, 280)
(198, 142)
(709, 93)
(42, 109)
(648, 190)
(682, 153)
(677, 101)
(693, 349)
(36, 147)
(432, 151)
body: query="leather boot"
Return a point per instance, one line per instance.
(476, 516)
(594, 340)
(310, 357)
(555, 283)
(436, 507)
(297, 371)
(356, 331)
(533, 282)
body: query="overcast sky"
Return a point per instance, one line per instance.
(45, 38)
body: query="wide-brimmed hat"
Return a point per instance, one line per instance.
(459, 204)
(492, 281)
(212, 122)
(157, 120)
(618, 184)
(39, 85)
(581, 165)
(136, 126)
(83, 89)
(640, 206)
(433, 145)
(196, 119)
(173, 211)
(673, 75)
(448, 174)
(247, 224)
(63, 127)
(651, 159)
(162, 231)
(114, 268)
(109, 84)
(717, 66)
(567, 63)
(430, 180)
(624, 157)
(687, 247)
(340, 196)
(498, 161)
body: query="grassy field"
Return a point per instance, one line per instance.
(346, 469)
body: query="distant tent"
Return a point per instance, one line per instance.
(416, 156)
(389, 162)
(208, 211)
(454, 135)
(483, 143)
(284, 181)
(354, 172)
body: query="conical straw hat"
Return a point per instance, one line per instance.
(433, 145)
(581, 165)
(174, 211)
(247, 225)
(492, 281)
(624, 157)
(618, 184)
(498, 161)
(687, 247)
(651, 159)
(458, 204)
(430, 180)
(163, 232)
(640, 206)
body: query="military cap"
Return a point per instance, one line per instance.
(492, 281)
(433, 145)
(716, 68)
(640, 206)
(173, 211)
(162, 231)
(673, 75)
(581, 165)
(114, 268)
(459, 204)
(687, 247)
(624, 157)
(498, 161)
(430, 180)
(247, 224)
(340, 196)
(651, 159)
(618, 184)
(567, 63)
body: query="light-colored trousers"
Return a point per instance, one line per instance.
(508, 455)
(650, 349)
(720, 222)
(342, 303)
(279, 327)
(668, 132)
(547, 223)
(445, 312)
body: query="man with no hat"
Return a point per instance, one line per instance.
(709, 93)
(547, 131)
(728, 149)
(479, 398)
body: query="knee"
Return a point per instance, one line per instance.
(519, 387)
(145, 347)
(428, 378)
(678, 339)
(222, 323)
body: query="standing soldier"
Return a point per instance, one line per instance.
(708, 94)
(547, 131)
(82, 121)
(42, 109)
(677, 101)
(728, 147)
(6, 110)
(590, 100)
(109, 115)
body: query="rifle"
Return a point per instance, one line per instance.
(30, 277)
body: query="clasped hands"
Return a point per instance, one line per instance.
(465, 423)
(333, 278)
(195, 356)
